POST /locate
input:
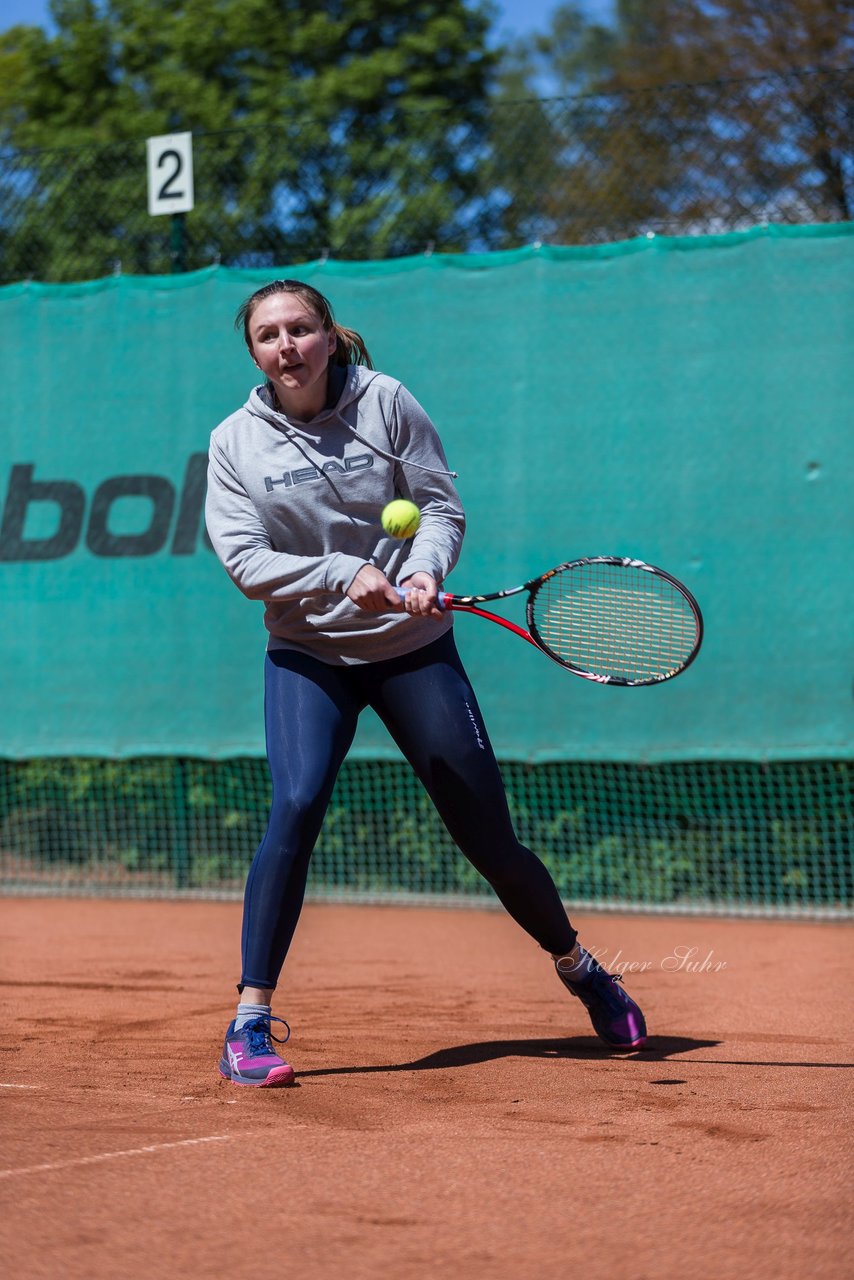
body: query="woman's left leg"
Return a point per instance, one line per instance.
(429, 707)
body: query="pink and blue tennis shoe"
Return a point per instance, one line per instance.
(248, 1056)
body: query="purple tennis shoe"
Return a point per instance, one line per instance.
(248, 1056)
(616, 1018)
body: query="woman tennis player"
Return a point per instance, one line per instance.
(297, 480)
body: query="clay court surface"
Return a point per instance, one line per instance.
(452, 1116)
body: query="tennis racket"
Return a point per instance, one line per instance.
(607, 618)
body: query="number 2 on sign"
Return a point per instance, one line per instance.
(170, 173)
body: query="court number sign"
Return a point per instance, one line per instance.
(170, 173)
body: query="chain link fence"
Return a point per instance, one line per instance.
(681, 159)
(718, 837)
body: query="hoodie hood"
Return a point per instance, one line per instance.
(347, 386)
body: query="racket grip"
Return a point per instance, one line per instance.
(440, 599)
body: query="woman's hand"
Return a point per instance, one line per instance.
(372, 591)
(421, 596)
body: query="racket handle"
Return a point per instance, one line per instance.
(440, 599)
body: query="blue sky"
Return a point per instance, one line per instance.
(516, 17)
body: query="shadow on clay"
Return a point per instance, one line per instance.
(656, 1049)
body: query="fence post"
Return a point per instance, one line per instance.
(178, 242)
(181, 829)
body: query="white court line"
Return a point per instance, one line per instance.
(110, 1155)
(18, 1086)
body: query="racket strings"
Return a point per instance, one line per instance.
(615, 621)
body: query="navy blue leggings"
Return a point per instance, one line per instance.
(426, 702)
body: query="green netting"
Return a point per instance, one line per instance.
(722, 836)
(685, 401)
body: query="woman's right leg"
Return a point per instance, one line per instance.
(310, 715)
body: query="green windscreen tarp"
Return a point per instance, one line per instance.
(685, 401)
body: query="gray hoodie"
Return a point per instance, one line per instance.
(293, 512)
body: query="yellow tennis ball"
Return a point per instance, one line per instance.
(401, 518)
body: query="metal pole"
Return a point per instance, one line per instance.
(178, 242)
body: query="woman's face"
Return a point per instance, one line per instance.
(291, 347)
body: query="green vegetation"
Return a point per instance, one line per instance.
(719, 832)
(695, 114)
(328, 125)
(375, 128)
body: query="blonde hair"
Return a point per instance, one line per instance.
(349, 346)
